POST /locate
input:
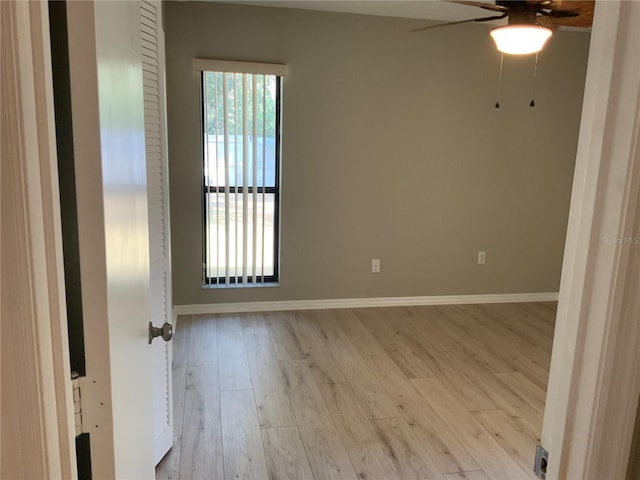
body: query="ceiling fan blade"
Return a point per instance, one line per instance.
(559, 13)
(584, 8)
(559, 4)
(486, 6)
(547, 22)
(482, 19)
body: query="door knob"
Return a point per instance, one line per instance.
(166, 332)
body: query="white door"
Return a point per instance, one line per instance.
(113, 233)
(152, 48)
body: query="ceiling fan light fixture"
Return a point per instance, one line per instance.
(520, 39)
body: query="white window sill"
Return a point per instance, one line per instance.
(224, 286)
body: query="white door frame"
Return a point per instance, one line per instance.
(594, 385)
(35, 388)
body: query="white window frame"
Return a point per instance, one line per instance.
(246, 278)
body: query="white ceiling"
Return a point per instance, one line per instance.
(427, 9)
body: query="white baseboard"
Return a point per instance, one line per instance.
(361, 302)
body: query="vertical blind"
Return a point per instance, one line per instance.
(241, 132)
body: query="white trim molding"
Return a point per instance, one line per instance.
(36, 404)
(240, 307)
(594, 383)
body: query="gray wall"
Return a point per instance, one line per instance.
(392, 149)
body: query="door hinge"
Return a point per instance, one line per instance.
(90, 409)
(541, 462)
(76, 382)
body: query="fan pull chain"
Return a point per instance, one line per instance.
(499, 81)
(532, 103)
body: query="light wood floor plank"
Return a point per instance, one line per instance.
(540, 356)
(488, 357)
(552, 306)
(180, 340)
(512, 436)
(372, 397)
(452, 392)
(453, 321)
(410, 457)
(395, 345)
(510, 318)
(535, 373)
(317, 350)
(505, 398)
(243, 452)
(232, 355)
(473, 320)
(532, 323)
(327, 456)
(357, 333)
(529, 391)
(286, 456)
(254, 323)
(515, 321)
(493, 459)
(412, 340)
(472, 396)
(272, 401)
(426, 320)
(497, 343)
(499, 330)
(203, 345)
(284, 339)
(399, 321)
(179, 392)
(430, 356)
(474, 335)
(475, 475)
(540, 314)
(371, 319)
(410, 364)
(169, 466)
(358, 433)
(446, 449)
(201, 453)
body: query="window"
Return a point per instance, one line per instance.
(241, 181)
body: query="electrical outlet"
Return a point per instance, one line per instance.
(375, 265)
(482, 258)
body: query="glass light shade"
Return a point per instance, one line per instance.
(520, 39)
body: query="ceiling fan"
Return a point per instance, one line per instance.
(531, 22)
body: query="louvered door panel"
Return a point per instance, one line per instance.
(152, 39)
